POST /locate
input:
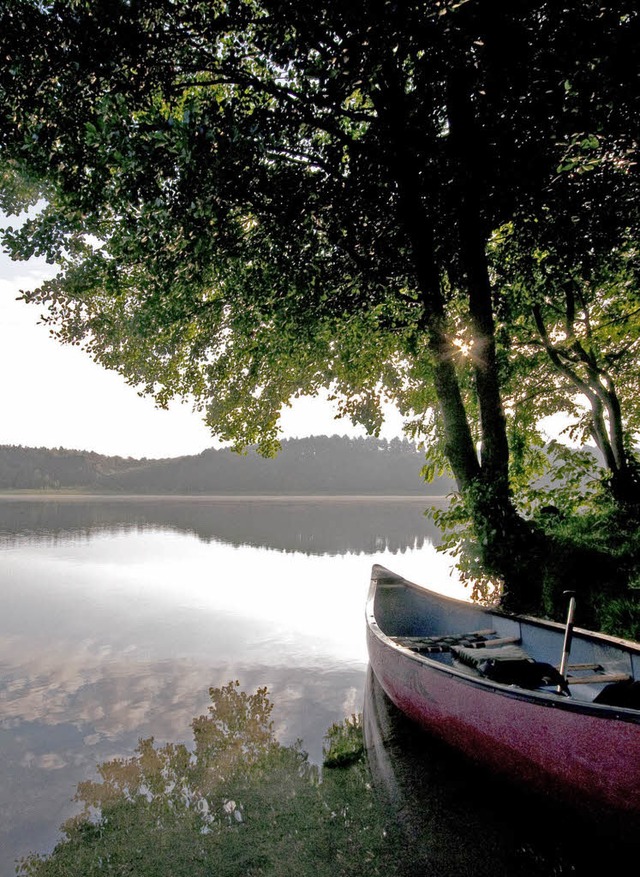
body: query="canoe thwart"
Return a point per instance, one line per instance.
(499, 641)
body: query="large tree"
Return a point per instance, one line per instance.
(254, 199)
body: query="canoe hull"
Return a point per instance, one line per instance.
(584, 753)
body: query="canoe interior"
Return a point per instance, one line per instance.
(401, 609)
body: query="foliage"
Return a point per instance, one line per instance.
(237, 804)
(567, 481)
(477, 542)
(621, 616)
(253, 200)
(345, 743)
(238, 166)
(596, 554)
(574, 337)
(583, 541)
(315, 465)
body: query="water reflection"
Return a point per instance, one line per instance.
(116, 618)
(77, 727)
(238, 803)
(310, 525)
(118, 615)
(457, 818)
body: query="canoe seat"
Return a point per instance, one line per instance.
(597, 678)
(510, 665)
(624, 693)
(443, 642)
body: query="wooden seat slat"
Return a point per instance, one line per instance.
(584, 667)
(490, 643)
(596, 678)
(442, 636)
(476, 639)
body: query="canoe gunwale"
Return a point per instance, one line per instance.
(547, 699)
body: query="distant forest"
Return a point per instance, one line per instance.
(320, 465)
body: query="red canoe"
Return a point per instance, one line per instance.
(485, 682)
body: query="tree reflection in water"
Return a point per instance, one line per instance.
(240, 804)
(235, 805)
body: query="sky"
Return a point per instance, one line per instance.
(54, 395)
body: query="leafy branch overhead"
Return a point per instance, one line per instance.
(433, 202)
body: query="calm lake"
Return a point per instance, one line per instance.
(118, 615)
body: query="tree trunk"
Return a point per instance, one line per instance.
(406, 174)
(607, 428)
(509, 547)
(495, 447)
(459, 445)
(505, 540)
(466, 144)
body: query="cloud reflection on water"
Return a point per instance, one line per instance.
(117, 618)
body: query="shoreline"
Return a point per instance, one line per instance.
(213, 497)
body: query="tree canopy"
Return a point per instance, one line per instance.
(434, 202)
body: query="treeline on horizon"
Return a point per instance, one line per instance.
(329, 465)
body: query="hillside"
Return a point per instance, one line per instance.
(319, 465)
(55, 468)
